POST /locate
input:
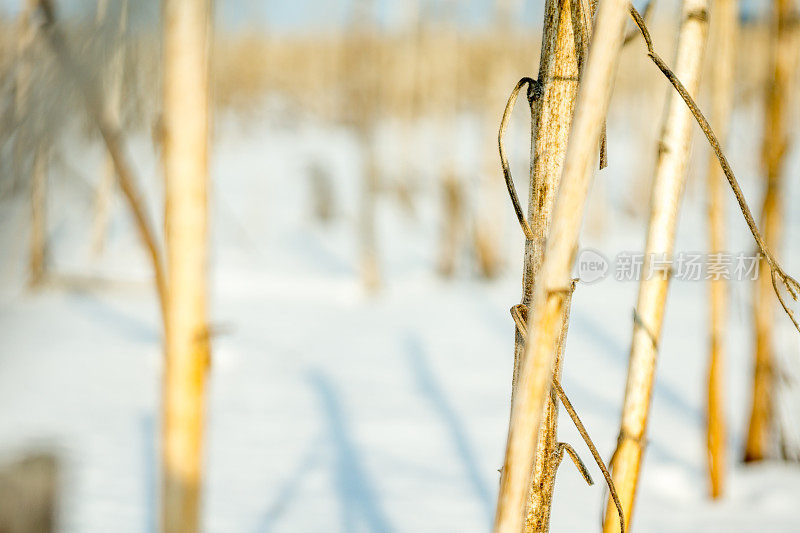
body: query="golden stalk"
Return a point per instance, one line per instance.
(187, 26)
(783, 56)
(724, 25)
(670, 175)
(552, 115)
(546, 314)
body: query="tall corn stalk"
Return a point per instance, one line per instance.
(537, 365)
(673, 154)
(783, 55)
(187, 26)
(550, 125)
(724, 25)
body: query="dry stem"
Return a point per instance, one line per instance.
(670, 175)
(783, 55)
(111, 136)
(519, 314)
(777, 272)
(187, 29)
(723, 24)
(547, 309)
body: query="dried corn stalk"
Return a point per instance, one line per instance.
(723, 24)
(545, 321)
(783, 57)
(187, 26)
(551, 121)
(673, 155)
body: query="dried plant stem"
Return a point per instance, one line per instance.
(38, 178)
(670, 174)
(595, 454)
(488, 234)
(38, 238)
(453, 227)
(111, 137)
(370, 268)
(724, 27)
(783, 56)
(187, 27)
(537, 367)
(105, 187)
(406, 74)
(632, 34)
(360, 60)
(551, 119)
(26, 35)
(534, 91)
(778, 275)
(520, 315)
(452, 223)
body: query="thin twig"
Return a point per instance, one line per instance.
(588, 440)
(648, 8)
(791, 284)
(562, 447)
(534, 92)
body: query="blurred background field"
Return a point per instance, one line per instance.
(364, 256)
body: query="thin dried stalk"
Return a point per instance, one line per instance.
(26, 35)
(38, 238)
(534, 91)
(187, 28)
(783, 55)
(111, 137)
(453, 227)
(595, 454)
(551, 119)
(670, 174)
(105, 187)
(370, 267)
(487, 233)
(545, 324)
(778, 275)
(561, 447)
(407, 76)
(648, 9)
(26, 29)
(520, 315)
(723, 24)
(361, 59)
(452, 223)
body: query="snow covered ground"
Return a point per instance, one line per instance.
(329, 409)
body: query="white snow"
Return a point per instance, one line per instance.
(332, 410)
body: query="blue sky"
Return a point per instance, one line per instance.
(309, 15)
